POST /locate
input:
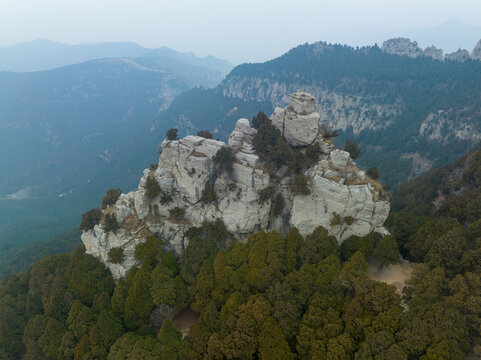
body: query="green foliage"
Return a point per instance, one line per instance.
(208, 195)
(150, 252)
(110, 223)
(205, 134)
(265, 194)
(297, 162)
(111, 197)
(355, 243)
(312, 153)
(171, 339)
(152, 187)
(162, 286)
(171, 134)
(373, 173)
(336, 219)
(387, 251)
(299, 185)
(277, 204)
(116, 255)
(352, 148)
(176, 214)
(90, 218)
(224, 160)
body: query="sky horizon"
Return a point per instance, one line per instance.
(238, 31)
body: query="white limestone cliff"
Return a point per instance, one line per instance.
(342, 198)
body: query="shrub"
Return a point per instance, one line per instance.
(177, 214)
(205, 134)
(373, 173)
(111, 197)
(336, 219)
(116, 255)
(265, 194)
(152, 187)
(352, 148)
(259, 120)
(299, 185)
(312, 153)
(297, 162)
(153, 166)
(224, 160)
(90, 218)
(349, 220)
(278, 204)
(208, 193)
(110, 223)
(165, 198)
(172, 134)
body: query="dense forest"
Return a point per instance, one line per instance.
(274, 297)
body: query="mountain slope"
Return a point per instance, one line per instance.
(68, 134)
(44, 55)
(409, 115)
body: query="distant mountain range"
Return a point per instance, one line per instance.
(68, 134)
(45, 54)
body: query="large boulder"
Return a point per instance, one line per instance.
(299, 122)
(302, 103)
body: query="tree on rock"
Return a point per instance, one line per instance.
(172, 134)
(205, 134)
(373, 173)
(90, 219)
(152, 187)
(352, 148)
(224, 160)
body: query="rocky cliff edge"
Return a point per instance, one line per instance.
(341, 197)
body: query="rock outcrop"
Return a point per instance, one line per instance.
(402, 47)
(476, 53)
(341, 197)
(406, 47)
(461, 55)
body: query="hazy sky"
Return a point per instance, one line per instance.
(238, 30)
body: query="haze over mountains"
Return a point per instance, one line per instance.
(72, 132)
(44, 54)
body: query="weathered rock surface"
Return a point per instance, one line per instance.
(433, 52)
(461, 55)
(337, 189)
(476, 53)
(298, 123)
(402, 47)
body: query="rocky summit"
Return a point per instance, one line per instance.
(339, 196)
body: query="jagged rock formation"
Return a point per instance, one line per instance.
(406, 47)
(402, 47)
(476, 53)
(433, 52)
(461, 55)
(341, 198)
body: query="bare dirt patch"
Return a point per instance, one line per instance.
(395, 275)
(184, 320)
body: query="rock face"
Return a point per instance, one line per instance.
(406, 47)
(433, 52)
(298, 123)
(461, 55)
(476, 53)
(341, 199)
(402, 47)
